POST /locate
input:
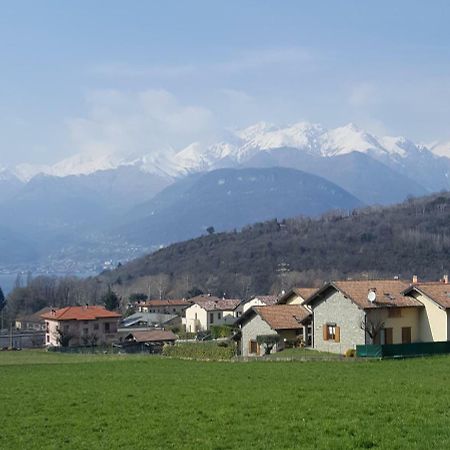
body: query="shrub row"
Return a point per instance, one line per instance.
(200, 350)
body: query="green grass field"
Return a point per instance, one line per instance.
(54, 401)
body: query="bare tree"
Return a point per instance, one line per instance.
(372, 327)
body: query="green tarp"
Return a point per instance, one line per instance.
(403, 350)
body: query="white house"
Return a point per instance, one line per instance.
(208, 310)
(259, 300)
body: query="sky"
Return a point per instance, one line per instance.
(114, 76)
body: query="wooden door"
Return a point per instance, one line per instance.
(406, 335)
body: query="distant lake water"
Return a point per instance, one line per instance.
(7, 280)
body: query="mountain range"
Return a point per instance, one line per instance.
(78, 207)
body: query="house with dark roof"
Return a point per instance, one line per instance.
(207, 310)
(75, 326)
(290, 322)
(296, 296)
(350, 313)
(259, 300)
(32, 322)
(151, 341)
(177, 306)
(434, 320)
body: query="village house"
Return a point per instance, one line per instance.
(177, 307)
(258, 300)
(207, 310)
(32, 322)
(80, 325)
(149, 320)
(290, 322)
(350, 313)
(151, 341)
(296, 296)
(435, 316)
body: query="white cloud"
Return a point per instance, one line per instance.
(138, 122)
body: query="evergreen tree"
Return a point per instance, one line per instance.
(2, 299)
(110, 300)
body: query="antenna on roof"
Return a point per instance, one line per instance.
(371, 296)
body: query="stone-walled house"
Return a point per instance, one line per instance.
(81, 325)
(207, 310)
(290, 322)
(350, 313)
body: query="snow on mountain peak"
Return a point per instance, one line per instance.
(239, 147)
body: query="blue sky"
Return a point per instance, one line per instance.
(94, 75)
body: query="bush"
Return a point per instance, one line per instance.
(350, 353)
(221, 331)
(200, 350)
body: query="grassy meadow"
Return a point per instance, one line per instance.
(59, 401)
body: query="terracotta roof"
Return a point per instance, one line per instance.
(439, 292)
(80, 313)
(302, 292)
(283, 317)
(211, 303)
(179, 302)
(388, 293)
(152, 336)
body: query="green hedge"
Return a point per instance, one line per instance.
(200, 350)
(220, 331)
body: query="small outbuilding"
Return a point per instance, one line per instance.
(151, 341)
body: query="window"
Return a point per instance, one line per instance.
(331, 332)
(211, 317)
(85, 331)
(174, 310)
(48, 338)
(107, 327)
(219, 316)
(394, 312)
(95, 326)
(195, 316)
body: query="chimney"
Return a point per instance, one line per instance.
(445, 279)
(415, 279)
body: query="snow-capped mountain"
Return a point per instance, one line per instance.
(243, 145)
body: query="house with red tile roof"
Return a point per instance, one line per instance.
(290, 322)
(74, 326)
(350, 313)
(207, 310)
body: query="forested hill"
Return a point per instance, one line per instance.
(409, 238)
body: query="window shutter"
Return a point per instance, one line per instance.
(338, 334)
(325, 332)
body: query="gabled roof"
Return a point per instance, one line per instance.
(151, 336)
(177, 302)
(80, 313)
(439, 292)
(279, 317)
(34, 317)
(150, 318)
(211, 303)
(389, 293)
(266, 299)
(302, 292)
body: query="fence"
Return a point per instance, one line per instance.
(403, 350)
